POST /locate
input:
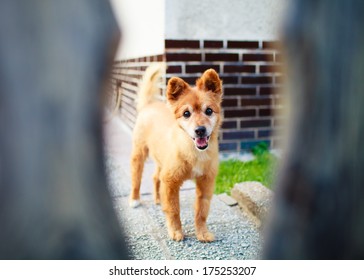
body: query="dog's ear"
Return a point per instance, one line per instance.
(176, 86)
(210, 81)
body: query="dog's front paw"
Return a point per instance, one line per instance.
(205, 236)
(134, 203)
(176, 235)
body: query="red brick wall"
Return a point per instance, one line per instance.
(250, 71)
(125, 77)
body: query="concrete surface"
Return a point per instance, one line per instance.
(224, 19)
(255, 199)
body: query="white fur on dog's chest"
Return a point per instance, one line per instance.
(198, 168)
(197, 171)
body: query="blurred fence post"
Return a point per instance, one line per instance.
(54, 203)
(319, 209)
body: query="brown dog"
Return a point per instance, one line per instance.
(182, 138)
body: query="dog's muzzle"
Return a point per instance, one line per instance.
(201, 140)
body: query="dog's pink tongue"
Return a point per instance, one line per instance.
(201, 142)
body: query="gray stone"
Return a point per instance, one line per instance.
(228, 200)
(254, 198)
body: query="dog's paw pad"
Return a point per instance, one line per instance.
(205, 236)
(134, 203)
(176, 235)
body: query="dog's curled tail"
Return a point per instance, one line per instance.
(148, 87)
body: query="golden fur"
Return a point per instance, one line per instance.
(183, 145)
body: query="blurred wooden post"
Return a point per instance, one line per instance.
(54, 203)
(319, 209)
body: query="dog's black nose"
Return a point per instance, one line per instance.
(200, 131)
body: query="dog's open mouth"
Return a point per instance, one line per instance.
(201, 142)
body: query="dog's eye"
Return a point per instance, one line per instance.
(187, 114)
(208, 111)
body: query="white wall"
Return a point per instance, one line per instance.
(224, 19)
(146, 23)
(142, 24)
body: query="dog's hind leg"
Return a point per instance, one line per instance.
(139, 155)
(157, 184)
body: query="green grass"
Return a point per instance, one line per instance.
(261, 169)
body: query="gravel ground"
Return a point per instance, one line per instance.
(146, 234)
